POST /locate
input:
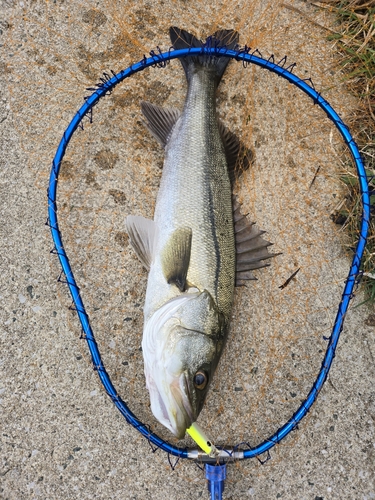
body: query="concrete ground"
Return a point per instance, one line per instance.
(61, 436)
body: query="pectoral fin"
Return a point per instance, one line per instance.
(142, 234)
(251, 249)
(175, 257)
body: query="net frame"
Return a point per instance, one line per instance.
(105, 87)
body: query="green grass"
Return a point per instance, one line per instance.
(355, 39)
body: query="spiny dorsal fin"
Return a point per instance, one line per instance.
(239, 157)
(251, 248)
(175, 257)
(160, 121)
(142, 233)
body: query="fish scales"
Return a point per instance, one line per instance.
(190, 247)
(195, 191)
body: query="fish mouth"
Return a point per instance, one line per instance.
(172, 407)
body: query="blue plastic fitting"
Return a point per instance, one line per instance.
(216, 475)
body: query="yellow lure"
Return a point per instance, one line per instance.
(202, 440)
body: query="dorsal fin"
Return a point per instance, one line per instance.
(239, 157)
(251, 248)
(160, 121)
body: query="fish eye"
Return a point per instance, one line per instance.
(200, 380)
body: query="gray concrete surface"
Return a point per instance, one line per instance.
(61, 437)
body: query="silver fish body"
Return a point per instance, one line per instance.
(189, 247)
(195, 193)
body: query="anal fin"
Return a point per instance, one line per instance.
(160, 121)
(176, 257)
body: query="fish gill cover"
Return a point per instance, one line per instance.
(112, 168)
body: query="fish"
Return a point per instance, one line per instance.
(198, 246)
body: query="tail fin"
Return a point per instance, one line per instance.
(181, 39)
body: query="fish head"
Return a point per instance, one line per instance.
(181, 358)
